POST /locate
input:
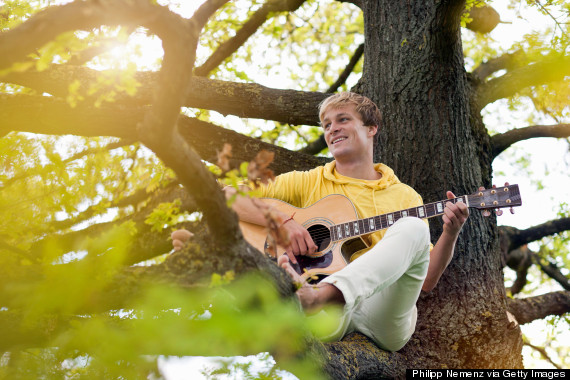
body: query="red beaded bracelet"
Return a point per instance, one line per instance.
(291, 218)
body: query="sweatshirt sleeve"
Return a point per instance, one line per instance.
(288, 187)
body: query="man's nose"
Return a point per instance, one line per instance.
(335, 127)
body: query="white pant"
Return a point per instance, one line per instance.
(381, 287)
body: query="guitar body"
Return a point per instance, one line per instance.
(317, 218)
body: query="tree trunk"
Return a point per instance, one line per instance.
(433, 140)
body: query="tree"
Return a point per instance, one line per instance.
(433, 136)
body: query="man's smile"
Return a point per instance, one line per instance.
(337, 139)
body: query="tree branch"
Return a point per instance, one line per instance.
(512, 238)
(241, 99)
(507, 61)
(205, 11)
(179, 38)
(348, 69)
(76, 156)
(169, 193)
(358, 3)
(39, 114)
(520, 260)
(542, 352)
(502, 141)
(227, 48)
(17, 43)
(548, 70)
(532, 308)
(315, 146)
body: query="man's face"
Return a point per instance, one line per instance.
(345, 133)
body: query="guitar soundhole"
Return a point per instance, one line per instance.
(321, 236)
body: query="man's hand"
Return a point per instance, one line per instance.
(179, 238)
(454, 216)
(301, 242)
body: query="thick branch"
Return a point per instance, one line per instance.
(502, 141)
(37, 114)
(230, 46)
(241, 99)
(529, 309)
(357, 357)
(548, 70)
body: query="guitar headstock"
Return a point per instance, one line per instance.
(495, 198)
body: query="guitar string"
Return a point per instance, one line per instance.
(383, 219)
(428, 208)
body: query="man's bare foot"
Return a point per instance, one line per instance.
(312, 297)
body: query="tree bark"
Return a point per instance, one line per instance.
(432, 137)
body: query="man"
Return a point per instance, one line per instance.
(378, 290)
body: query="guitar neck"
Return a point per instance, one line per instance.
(380, 222)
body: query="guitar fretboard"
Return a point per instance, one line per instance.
(376, 223)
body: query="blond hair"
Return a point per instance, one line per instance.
(368, 111)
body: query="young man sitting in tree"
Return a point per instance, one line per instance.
(379, 289)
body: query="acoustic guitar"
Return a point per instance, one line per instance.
(337, 230)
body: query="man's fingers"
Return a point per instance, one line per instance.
(179, 238)
(182, 235)
(177, 244)
(291, 256)
(282, 260)
(311, 247)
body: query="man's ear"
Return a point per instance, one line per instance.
(372, 130)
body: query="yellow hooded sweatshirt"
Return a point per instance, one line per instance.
(369, 197)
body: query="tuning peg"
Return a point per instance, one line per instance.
(481, 188)
(506, 184)
(498, 212)
(486, 213)
(512, 210)
(494, 186)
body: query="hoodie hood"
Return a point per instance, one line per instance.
(388, 177)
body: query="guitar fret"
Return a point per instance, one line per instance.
(439, 207)
(379, 222)
(421, 211)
